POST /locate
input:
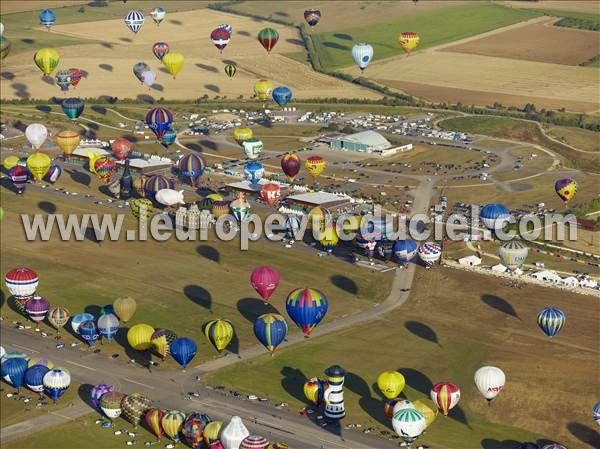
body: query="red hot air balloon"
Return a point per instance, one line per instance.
(291, 163)
(19, 176)
(270, 193)
(265, 280)
(220, 38)
(75, 75)
(445, 395)
(121, 147)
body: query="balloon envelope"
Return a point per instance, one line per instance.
(489, 381)
(551, 320)
(265, 280)
(183, 350)
(362, 55)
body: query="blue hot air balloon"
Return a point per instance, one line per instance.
(168, 138)
(282, 95)
(56, 382)
(494, 215)
(183, 350)
(551, 320)
(108, 325)
(34, 378)
(385, 249)
(596, 412)
(306, 307)
(80, 318)
(89, 332)
(13, 371)
(47, 18)
(159, 120)
(270, 329)
(405, 250)
(73, 107)
(254, 171)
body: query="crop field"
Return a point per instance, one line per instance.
(540, 41)
(432, 340)
(560, 6)
(579, 138)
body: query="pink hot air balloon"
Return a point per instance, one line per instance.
(37, 308)
(265, 280)
(254, 442)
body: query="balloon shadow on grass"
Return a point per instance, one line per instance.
(157, 87)
(80, 177)
(28, 41)
(208, 68)
(295, 42)
(44, 108)
(146, 98)
(106, 44)
(500, 304)
(208, 252)
(20, 90)
(244, 33)
(343, 36)
(344, 283)
(584, 433)
(489, 443)
(422, 330)
(212, 88)
(2, 298)
(8, 185)
(126, 39)
(84, 391)
(335, 46)
(176, 22)
(107, 67)
(252, 308)
(7, 76)
(47, 206)
(416, 380)
(199, 296)
(98, 109)
(372, 406)
(293, 383)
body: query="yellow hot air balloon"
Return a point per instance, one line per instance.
(142, 209)
(391, 384)
(68, 141)
(124, 308)
(38, 164)
(212, 431)
(428, 409)
(408, 41)
(139, 337)
(329, 238)
(172, 423)
(214, 197)
(242, 134)
(173, 62)
(321, 216)
(46, 59)
(9, 162)
(263, 89)
(219, 333)
(315, 165)
(93, 156)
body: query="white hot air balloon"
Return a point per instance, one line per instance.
(36, 134)
(2, 351)
(148, 78)
(134, 20)
(489, 381)
(430, 253)
(1, 28)
(234, 433)
(403, 404)
(169, 197)
(362, 54)
(408, 424)
(513, 254)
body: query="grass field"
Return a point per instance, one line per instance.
(334, 48)
(432, 339)
(579, 8)
(579, 138)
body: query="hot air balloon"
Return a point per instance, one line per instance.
(139, 185)
(430, 253)
(139, 337)
(38, 165)
(264, 280)
(282, 95)
(153, 420)
(54, 173)
(36, 134)
(551, 320)
(124, 308)
(252, 147)
(315, 165)
(596, 412)
(513, 254)
(193, 430)
(263, 89)
(489, 381)
(183, 350)
(212, 431)
(428, 409)
(108, 325)
(89, 332)
(159, 120)
(172, 422)
(362, 55)
(306, 307)
(254, 442)
(191, 166)
(445, 395)
(402, 404)
(290, 164)
(270, 193)
(13, 355)
(220, 38)
(73, 107)
(46, 59)
(158, 14)
(388, 408)
(80, 318)
(169, 197)
(37, 308)
(160, 49)
(270, 329)
(121, 148)
(405, 250)
(494, 216)
(409, 424)
(169, 138)
(58, 317)
(292, 226)
(19, 176)
(230, 70)
(110, 404)
(391, 384)
(268, 38)
(234, 433)
(13, 371)
(97, 391)
(242, 134)
(554, 446)
(219, 208)
(47, 18)
(566, 189)
(104, 167)
(161, 340)
(34, 377)
(173, 62)
(408, 41)
(21, 282)
(240, 208)
(219, 333)
(56, 382)
(4, 47)
(134, 20)
(314, 389)
(148, 78)
(9, 162)
(76, 76)
(155, 184)
(329, 238)
(254, 171)
(134, 407)
(366, 244)
(63, 79)
(312, 16)
(140, 68)
(68, 141)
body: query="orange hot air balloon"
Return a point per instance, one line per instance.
(68, 141)
(270, 193)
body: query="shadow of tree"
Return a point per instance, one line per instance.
(199, 296)
(422, 330)
(209, 252)
(500, 304)
(344, 283)
(252, 308)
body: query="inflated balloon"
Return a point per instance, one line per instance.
(268, 38)
(38, 165)
(282, 95)
(37, 308)
(173, 62)
(58, 317)
(156, 183)
(76, 76)
(401, 405)
(566, 189)
(168, 138)
(183, 350)
(19, 176)
(68, 141)
(4, 47)
(254, 171)
(89, 332)
(240, 208)
(159, 120)
(220, 38)
(554, 446)
(36, 134)
(263, 89)
(139, 68)
(329, 238)
(172, 422)
(169, 197)
(228, 27)
(430, 253)
(121, 148)
(445, 395)
(596, 412)
(219, 208)
(513, 254)
(13, 371)
(161, 341)
(104, 167)
(110, 404)
(315, 165)
(134, 20)
(97, 391)
(139, 337)
(242, 134)
(265, 281)
(362, 55)
(153, 420)
(405, 250)
(9, 162)
(388, 408)
(193, 430)
(234, 433)
(306, 307)
(252, 147)
(230, 70)
(551, 320)
(219, 333)
(191, 167)
(63, 79)
(56, 382)
(270, 329)
(391, 384)
(494, 215)
(291, 164)
(124, 308)
(73, 107)
(489, 381)
(108, 325)
(270, 193)
(212, 431)
(148, 78)
(158, 14)
(80, 318)
(427, 408)
(312, 16)
(160, 49)
(408, 41)
(47, 18)
(254, 442)
(409, 424)
(314, 389)
(34, 377)
(134, 407)
(46, 59)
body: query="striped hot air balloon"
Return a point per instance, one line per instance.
(230, 70)
(73, 107)
(34, 377)
(551, 320)
(430, 253)
(172, 423)
(270, 329)
(153, 418)
(160, 49)
(268, 38)
(254, 442)
(408, 40)
(134, 407)
(314, 389)
(76, 76)
(409, 424)
(306, 307)
(220, 38)
(191, 166)
(134, 20)
(161, 340)
(110, 404)
(156, 183)
(219, 208)
(58, 317)
(21, 282)
(159, 120)
(37, 308)
(47, 18)
(56, 382)
(513, 254)
(68, 141)
(445, 395)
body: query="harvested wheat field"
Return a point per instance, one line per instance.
(9, 7)
(109, 51)
(540, 41)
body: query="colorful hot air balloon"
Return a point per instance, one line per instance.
(264, 280)
(290, 164)
(219, 333)
(270, 193)
(21, 282)
(139, 337)
(108, 325)
(153, 420)
(4, 47)
(161, 340)
(80, 318)
(405, 250)
(124, 308)
(159, 120)
(110, 404)
(134, 407)
(513, 254)
(554, 446)
(139, 68)
(56, 382)
(172, 422)
(220, 38)
(121, 148)
(242, 134)
(306, 307)
(155, 184)
(160, 49)
(38, 165)
(46, 59)
(173, 62)
(391, 384)
(315, 165)
(169, 138)
(58, 317)
(314, 389)
(263, 89)
(97, 391)
(268, 38)
(445, 395)
(193, 430)
(73, 107)
(312, 16)
(282, 95)
(63, 79)
(270, 329)
(191, 166)
(183, 350)
(254, 442)
(240, 208)
(76, 76)
(34, 377)
(566, 189)
(89, 332)
(329, 238)
(142, 209)
(494, 216)
(230, 70)
(134, 20)
(36, 134)
(408, 41)
(254, 171)
(13, 371)
(47, 18)
(19, 176)
(551, 320)
(219, 208)
(252, 147)
(489, 381)
(104, 167)
(362, 55)
(430, 253)
(158, 14)
(427, 408)
(68, 141)
(37, 308)
(409, 424)
(212, 431)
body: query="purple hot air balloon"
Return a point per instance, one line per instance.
(97, 391)
(265, 280)
(37, 308)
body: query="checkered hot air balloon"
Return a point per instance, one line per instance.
(306, 307)
(191, 167)
(159, 120)
(37, 308)
(161, 341)
(134, 20)
(220, 38)
(104, 167)
(551, 320)
(134, 407)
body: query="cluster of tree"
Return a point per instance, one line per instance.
(226, 7)
(582, 24)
